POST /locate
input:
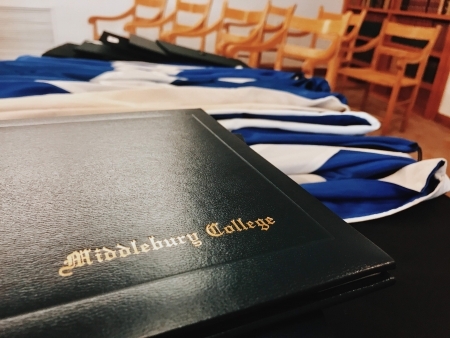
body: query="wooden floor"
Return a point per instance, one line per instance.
(433, 138)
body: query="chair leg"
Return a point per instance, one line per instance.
(202, 44)
(331, 74)
(308, 68)
(96, 36)
(278, 62)
(367, 90)
(313, 41)
(253, 60)
(341, 82)
(390, 110)
(409, 109)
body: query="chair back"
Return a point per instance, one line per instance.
(283, 13)
(323, 15)
(239, 18)
(272, 19)
(354, 25)
(326, 28)
(201, 9)
(150, 3)
(349, 40)
(242, 16)
(160, 5)
(333, 30)
(405, 54)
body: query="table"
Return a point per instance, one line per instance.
(418, 305)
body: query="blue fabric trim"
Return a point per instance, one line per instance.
(294, 83)
(9, 89)
(49, 61)
(364, 197)
(353, 164)
(333, 120)
(278, 136)
(48, 68)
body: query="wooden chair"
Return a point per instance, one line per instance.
(348, 41)
(231, 17)
(402, 56)
(160, 5)
(178, 29)
(332, 30)
(273, 11)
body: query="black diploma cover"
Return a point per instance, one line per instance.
(162, 222)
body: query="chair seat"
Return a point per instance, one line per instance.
(377, 77)
(301, 52)
(228, 39)
(136, 22)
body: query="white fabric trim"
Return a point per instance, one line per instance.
(294, 159)
(236, 79)
(87, 87)
(157, 98)
(134, 75)
(305, 152)
(413, 176)
(267, 108)
(305, 111)
(238, 123)
(148, 66)
(307, 178)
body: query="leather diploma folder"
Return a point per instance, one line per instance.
(165, 223)
(136, 48)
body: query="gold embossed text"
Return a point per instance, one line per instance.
(237, 225)
(85, 257)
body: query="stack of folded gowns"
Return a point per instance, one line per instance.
(296, 123)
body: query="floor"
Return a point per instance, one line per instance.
(433, 138)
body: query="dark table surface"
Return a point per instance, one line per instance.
(418, 305)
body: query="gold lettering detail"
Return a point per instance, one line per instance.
(82, 257)
(123, 250)
(109, 254)
(135, 249)
(74, 260)
(242, 224)
(213, 230)
(194, 239)
(250, 225)
(98, 255)
(264, 226)
(145, 247)
(167, 241)
(229, 229)
(156, 244)
(270, 220)
(235, 225)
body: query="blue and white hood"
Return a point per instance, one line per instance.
(359, 184)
